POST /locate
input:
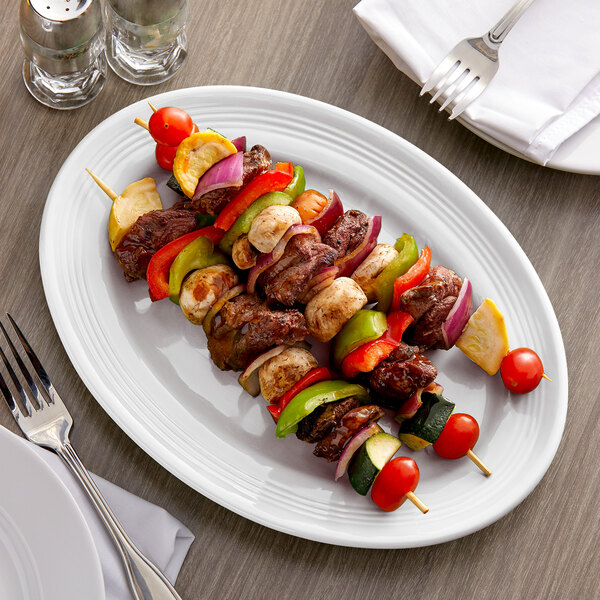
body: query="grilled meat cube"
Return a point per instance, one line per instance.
(429, 304)
(397, 377)
(347, 233)
(302, 259)
(439, 283)
(256, 161)
(427, 332)
(323, 419)
(149, 234)
(247, 328)
(331, 446)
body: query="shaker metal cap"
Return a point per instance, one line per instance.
(60, 10)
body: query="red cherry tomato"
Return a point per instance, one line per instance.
(521, 370)
(394, 481)
(170, 126)
(458, 436)
(165, 155)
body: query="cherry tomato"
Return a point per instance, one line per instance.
(458, 436)
(521, 370)
(165, 155)
(394, 481)
(170, 126)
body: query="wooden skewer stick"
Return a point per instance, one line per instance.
(154, 109)
(107, 190)
(417, 502)
(478, 462)
(546, 377)
(141, 123)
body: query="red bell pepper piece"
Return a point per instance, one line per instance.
(157, 273)
(412, 277)
(366, 357)
(270, 181)
(314, 376)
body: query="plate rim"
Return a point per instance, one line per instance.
(178, 467)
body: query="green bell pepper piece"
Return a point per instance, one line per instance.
(364, 326)
(408, 254)
(297, 184)
(303, 403)
(197, 254)
(244, 221)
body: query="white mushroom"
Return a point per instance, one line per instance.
(281, 372)
(243, 254)
(332, 308)
(269, 226)
(202, 288)
(366, 273)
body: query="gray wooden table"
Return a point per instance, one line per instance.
(548, 546)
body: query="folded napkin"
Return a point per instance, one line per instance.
(548, 85)
(161, 537)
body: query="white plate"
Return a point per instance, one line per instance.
(46, 549)
(577, 154)
(150, 369)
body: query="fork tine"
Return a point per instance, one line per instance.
(37, 365)
(438, 73)
(469, 96)
(24, 370)
(460, 87)
(8, 396)
(448, 81)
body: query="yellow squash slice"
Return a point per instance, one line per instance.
(137, 199)
(484, 339)
(196, 154)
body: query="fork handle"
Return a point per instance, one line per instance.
(507, 22)
(145, 580)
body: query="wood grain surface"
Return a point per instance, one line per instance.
(547, 548)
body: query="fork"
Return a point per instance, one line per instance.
(470, 65)
(47, 422)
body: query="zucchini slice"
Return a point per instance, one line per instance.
(370, 459)
(425, 427)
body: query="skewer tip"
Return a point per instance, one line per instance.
(417, 502)
(154, 109)
(479, 463)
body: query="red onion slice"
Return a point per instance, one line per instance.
(353, 445)
(240, 143)
(349, 263)
(459, 315)
(266, 260)
(331, 212)
(226, 173)
(323, 283)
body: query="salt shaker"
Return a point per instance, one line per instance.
(63, 41)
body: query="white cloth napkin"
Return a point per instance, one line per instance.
(548, 85)
(161, 537)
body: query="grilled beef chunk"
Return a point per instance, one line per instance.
(429, 304)
(323, 419)
(287, 279)
(439, 283)
(256, 161)
(149, 234)
(246, 327)
(331, 446)
(347, 233)
(397, 377)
